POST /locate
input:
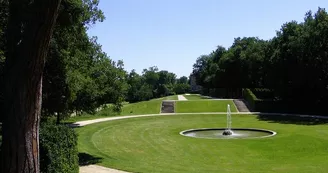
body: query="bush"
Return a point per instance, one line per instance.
(222, 92)
(263, 93)
(58, 149)
(181, 88)
(250, 98)
(266, 102)
(268, 105)
(263, 105)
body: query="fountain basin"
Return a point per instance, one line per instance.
(237, 133)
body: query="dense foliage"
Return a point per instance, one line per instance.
(153, 84)
(293, 64)
(79, 77)
(58, 149)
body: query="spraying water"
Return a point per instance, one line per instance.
(228, 131)
(228, 118)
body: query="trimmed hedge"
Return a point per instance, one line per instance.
(58, 149)
(250, 98)
(263, 93)
(264, 105)
(281, 106)
(222, 92)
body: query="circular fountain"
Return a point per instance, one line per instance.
(218, 133)
(228, 132)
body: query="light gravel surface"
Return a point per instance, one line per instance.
(98, 169)
(181, 97)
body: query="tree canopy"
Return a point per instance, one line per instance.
(154, 84)
(293, 64)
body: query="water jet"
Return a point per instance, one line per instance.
(228, 132)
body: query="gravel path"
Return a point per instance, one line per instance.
(181, 97)
(98, 169)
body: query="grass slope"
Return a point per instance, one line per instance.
(146, 107)
(153, 144)
(173, 97)
(204, 106)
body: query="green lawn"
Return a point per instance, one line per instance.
(153, 144)
(153, 107)
(146, 107)
(194, 97)
(173, 97)
(204, 106)
(83, 117)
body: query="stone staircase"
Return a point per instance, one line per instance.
(168, 106)
(241, 105)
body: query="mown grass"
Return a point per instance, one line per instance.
(146, 107)
(82, 118)
(153, 144)
(153, 107)
(204, 106)
(173, 97)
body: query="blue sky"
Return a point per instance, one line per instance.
(171, 34)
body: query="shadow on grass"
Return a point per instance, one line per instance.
(291, 119)
(87, 159)
(72, 125)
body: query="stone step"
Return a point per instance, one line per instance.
(241, 105)
(167, 107)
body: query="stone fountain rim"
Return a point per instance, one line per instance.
(273, 133)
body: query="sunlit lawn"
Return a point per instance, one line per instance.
(204, 106)
(153, 144)
(146, 107)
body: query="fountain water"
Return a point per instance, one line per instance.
(228, 130)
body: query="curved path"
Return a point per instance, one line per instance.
(100, 169)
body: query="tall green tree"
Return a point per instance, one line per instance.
(71, 52)
(293, 64)
(134, 81)
(29, 30)
(182, 80)
(4, 13)
(301, 57)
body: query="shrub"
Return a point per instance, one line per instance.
(261, 105)
(250, 97)
(263, 93)
(58, 149)
(265, 105)
(181, 88)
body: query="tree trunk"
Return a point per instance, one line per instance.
(29, 31)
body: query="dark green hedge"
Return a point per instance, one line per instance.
(58, 149)
(250, 98)
(222, 92)
(263, 93)
(263, 105)
(281, 106)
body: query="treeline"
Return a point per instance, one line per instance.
(154, 84)
(78, 76)
(293, 65)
